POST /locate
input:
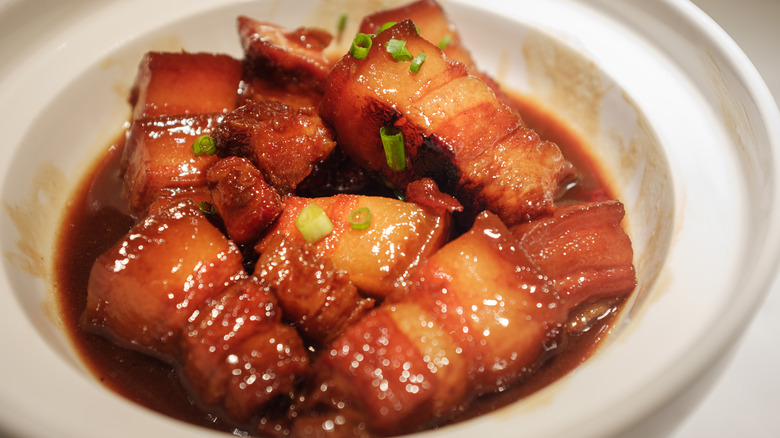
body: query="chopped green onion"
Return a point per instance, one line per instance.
(360, 46)
(313, 223)
(342, 22)
(393, 144)
(445, 41)
(207, 207)
(360, 218)
(397, 49)
(417, 62)
(204, 145)
(385, 26)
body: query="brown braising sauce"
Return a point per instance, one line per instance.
(97, 218)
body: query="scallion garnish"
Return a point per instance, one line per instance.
(342, 22)
(397, 49)
(360, 218)
(445, 41)
(385, 26)
(393, 144)
(417, 62)
(360, 46)
(313, 223)
(204, 145)
(207, 207)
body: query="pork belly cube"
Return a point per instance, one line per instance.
(396, 367)
(430, 19)
(158, 154)
(454, 129)
(434, 25)
(283, 142)
(583, 249)
(175, 83)
(142, 291)
(242, 198)
(321, 308)
(496, 303)
(378, 259)
(295, 59)
(238, 354)
(480, 316)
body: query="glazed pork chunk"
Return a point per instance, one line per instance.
(431, 20)
(453, 128)
(174, 287)
(285, 65)
(158, 155)
(485, 310)
(243, 200)
(583, 249)
(143, 290)
(378, 259)
(175, 83)
(480, 316)
(238, 356)
(318, 299)
(285, 143)
(434, 26)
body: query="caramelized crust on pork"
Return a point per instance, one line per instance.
(454, 128)
(238, 355)
(158, 155)
(431, 20)
(242, 198)
(174, 287)
(434, 25)
(175, 83)
(317, 298)
(479, 316)
(425, 193)
(284, 65)
(283, 142)
(142, 291)
(378, 259)
(583, 249)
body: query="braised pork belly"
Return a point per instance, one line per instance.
(175, 83)
(369, 246)
(453, 127)
(283, 142)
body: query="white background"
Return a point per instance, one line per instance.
(745, 402)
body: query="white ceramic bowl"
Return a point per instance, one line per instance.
(674, 110)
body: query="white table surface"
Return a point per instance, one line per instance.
(745, 401)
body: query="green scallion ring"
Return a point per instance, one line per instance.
(361, 44)
(417, 62)
(204, 145)
(207, 207)
(397, 49)
(393, 144)
(313, 223)
(360, 218)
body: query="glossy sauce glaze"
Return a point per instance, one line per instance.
(97, 217)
